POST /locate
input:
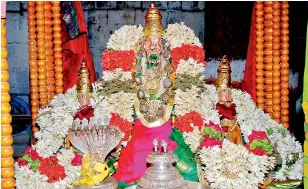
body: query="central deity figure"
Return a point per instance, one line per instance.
(152, 76)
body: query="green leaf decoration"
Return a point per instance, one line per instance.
(269, 131)
(282, 131)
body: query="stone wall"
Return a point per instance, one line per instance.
(103, 18)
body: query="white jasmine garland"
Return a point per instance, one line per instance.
(55, 121)
(125, 38)
(233, 166)
(187, 101)
(191, 67)
(122, 103)
(208, 109)
(118, 73)
(179, 34)
(192, 139)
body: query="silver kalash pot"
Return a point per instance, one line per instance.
(162, 174)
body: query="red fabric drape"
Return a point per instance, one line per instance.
(249, 80)
(75, 50)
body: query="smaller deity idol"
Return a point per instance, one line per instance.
(225, 106)
(84, 89)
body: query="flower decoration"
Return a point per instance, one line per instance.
(51, 168)
(77, 161)
(122, 103)
(125, 126)
(179, 34)
(232, 166)
(118, 73)
(190, 67)
(33, 171)
(188, 121)
(186, 52)
(259, 143)
(210, 142)
(125, 38)
(188, 101)
(118, 59)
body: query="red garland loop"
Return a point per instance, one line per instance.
(52, 169)
(257, 135)
(118, 59)
(125, 126)
(210, 142)
(185, 52)
(184, 122)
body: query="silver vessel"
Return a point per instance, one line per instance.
(162, 174)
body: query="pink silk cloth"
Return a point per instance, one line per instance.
(132, 163)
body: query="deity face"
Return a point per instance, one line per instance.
(153, 45)
(225, 96)
(84, 99)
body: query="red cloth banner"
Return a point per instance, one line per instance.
(75, 50)
(249, 80)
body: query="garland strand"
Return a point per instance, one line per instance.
(285, 64)
(57, 46)
(49, 52)
(7, 161)
(33, 64)
(268, 56)
(276, 62)
(259, 54)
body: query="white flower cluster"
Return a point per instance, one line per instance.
(191, 67)
(118, 73)
(251, 118)
(122, 103)
(125, 38)
(232, 166)
(187, 101)
(26, 178)
(209, 112)
(179, 34)
(55, 122)
(192, 139)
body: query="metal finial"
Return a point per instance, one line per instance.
(164, 144)
(155, 144)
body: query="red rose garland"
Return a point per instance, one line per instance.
(184, 122)
(185, 52)
(118, 59)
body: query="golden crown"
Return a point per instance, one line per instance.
(153, 24)
(84, 84)
(224, 74)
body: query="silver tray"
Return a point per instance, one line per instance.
(190, 184)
